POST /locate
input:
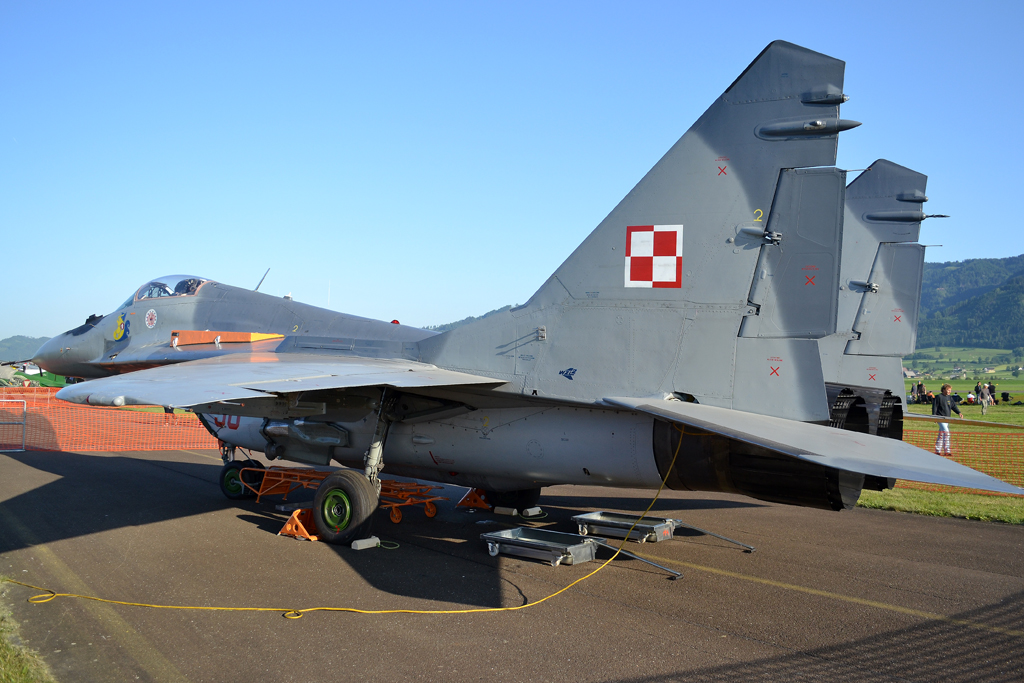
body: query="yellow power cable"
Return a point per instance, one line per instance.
(49, 595)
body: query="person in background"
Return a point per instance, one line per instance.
(944, 406)
(984, 397)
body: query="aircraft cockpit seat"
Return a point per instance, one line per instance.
(172, 285)
(188, 286)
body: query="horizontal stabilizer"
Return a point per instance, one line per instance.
(259, 375)
(841, 449)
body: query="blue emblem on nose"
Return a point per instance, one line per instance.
(567, 373)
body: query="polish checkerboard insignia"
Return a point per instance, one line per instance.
(654, 256)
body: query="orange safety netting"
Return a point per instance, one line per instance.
(55, 425)
(1000, 455)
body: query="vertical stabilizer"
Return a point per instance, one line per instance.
(651, 303)
(882, 273)
(878, 300)
(712, 192)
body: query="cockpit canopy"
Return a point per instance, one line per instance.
(170, 285)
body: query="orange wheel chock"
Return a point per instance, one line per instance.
(474, 499)
(298, 525)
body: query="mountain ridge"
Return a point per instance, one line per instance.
(20, 347)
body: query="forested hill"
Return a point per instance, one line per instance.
(19, 347)
(466, 321)
(979, 302)
(947, 284)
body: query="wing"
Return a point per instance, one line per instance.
(257, 376)
(841, 449)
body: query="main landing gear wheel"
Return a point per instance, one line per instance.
(523, 499)
(231, 478)
(343, 507)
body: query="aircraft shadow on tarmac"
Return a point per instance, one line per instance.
(97, 493)
(930, 651)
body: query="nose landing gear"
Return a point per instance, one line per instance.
(237, 484)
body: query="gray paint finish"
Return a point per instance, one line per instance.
(887, 319)
(780, 377)
(241, 376)
(663, 300)
(796, 281)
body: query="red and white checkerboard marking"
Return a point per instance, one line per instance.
(654, 256)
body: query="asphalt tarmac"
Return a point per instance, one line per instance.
(856, 595)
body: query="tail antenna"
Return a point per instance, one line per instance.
(261, 280)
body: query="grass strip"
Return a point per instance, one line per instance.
(18, 664)
(1006, 509)
(1013, 415)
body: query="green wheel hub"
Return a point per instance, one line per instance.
(337, 510)
(233, 481)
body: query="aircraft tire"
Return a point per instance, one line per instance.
(343, 507)
(522, 499)
(231, 481)
(253, 479)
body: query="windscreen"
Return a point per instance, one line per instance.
(171, 285)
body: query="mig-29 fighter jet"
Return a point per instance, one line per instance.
(741, 307)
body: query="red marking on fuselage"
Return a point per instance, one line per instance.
(229, 421)
(440, 461)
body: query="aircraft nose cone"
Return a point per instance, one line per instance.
(48, 356)
(64, 355)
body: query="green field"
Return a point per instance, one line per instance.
(1006, 509)
(1004, 413)
(943, 362)
(940, 365)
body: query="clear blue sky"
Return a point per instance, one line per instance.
(429, 161)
